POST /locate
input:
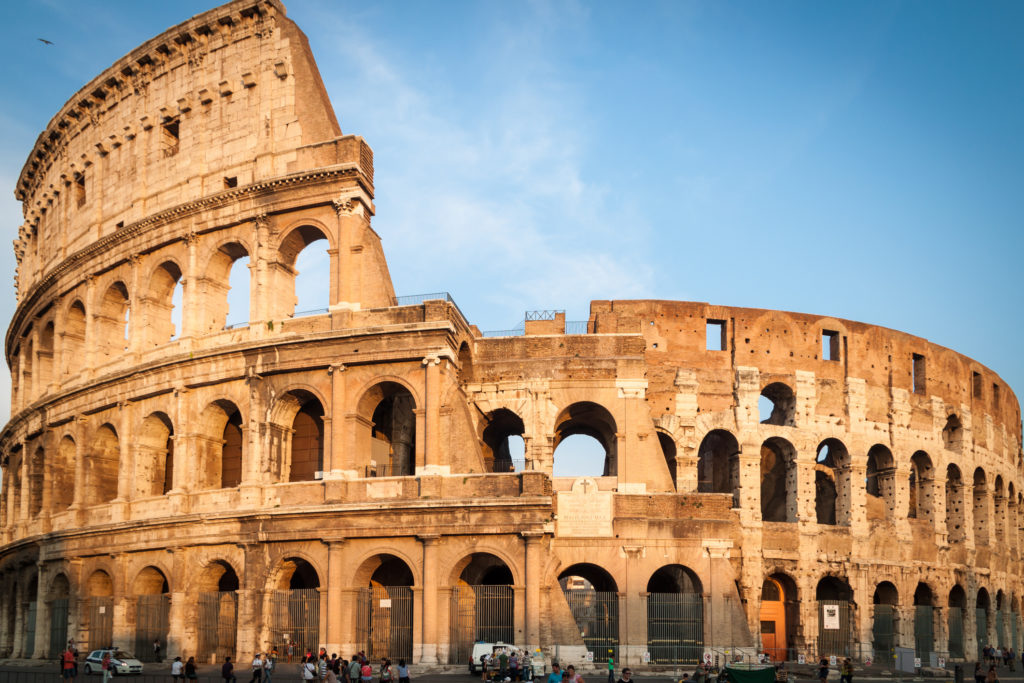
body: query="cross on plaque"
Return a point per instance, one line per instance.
(585, 484)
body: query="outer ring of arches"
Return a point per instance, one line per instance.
(483, 549)
(417, 579)
(365, 388)
(274, 576)
(298, 224)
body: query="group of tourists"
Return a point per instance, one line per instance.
(326, 668)
(506, 664)
(994, 655)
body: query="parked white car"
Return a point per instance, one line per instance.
(122, 662)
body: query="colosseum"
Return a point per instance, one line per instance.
(380, 474)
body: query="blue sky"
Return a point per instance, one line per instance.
(856, 159)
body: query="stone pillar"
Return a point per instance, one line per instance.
(136, 315)
(967, 498)
(432, 417)
(971, 630)
(18, 639)
(800, 478)
(89, 343)
(940, 626)
(335, 580)
(429, 613)
(247, 633)
(532, 542)
(337, 460)
(192, 309)
(42, 634)
(259, 297)
(126, 461)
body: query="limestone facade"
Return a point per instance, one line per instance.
(345, 479)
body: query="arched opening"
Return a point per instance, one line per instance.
(482, 606)
(955, 505)
(309, 270)
(780, 616)
(924, 621)
(465, 363)
(1001, 614)
(880, 483)
(392, 430)
(832, 483)
(593, 599)
(218, 611)
(956, 617)
(777, 405)
(112, 324)
(982, 606)
(999, 515)
(884, 626)
(44, 359)
(1012, 522)
(36, 465)
(73, 339)
(384, 623)
(668, 451)
(675, 616)
(99, 610)
(62, 482)
(154, 456)
(980, 509)
(295, 607)
(778, 481)
(101, 467)
(307, 441)
(57, 604)
(152, 610)
(922, 482)
(220, 446)
(718, 465)
(227, 287)
(27, 364)
(835, 616)
(14, 490)
(504, 448)
(585, 442)
(953, 433)
(30, 614)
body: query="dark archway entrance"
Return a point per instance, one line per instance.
(593, 598)
(482, 605)
(218, 612)
(835, 617)
(385, 611)
(295, 608)
(675, 616)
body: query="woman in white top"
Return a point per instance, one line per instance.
(308, 668)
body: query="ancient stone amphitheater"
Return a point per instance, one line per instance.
(350, 478)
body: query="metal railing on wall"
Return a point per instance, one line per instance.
(416, 299)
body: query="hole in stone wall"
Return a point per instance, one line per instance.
(919, 374)
(777, 405)
(715, 335)
(170, 138)
(977, 384)
(829, 345)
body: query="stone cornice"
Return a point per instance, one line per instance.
(110, 242)
(135, 70)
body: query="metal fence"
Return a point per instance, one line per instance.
(675, 628)
(835, 635)
(58, 626)
(295, 618)
(1000, 629)
(883, 633)
(502, 465)
(924, 631)
(956, 632)
(597, 619)
(30, 625)
(218, 625)
(981, 628)
(479, 613)
(384, 622)
(101, 622)
(152, 614)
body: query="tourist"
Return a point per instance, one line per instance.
(385, 670)
(156, 650)
(190, 669)
(503, 663)
(556, 673)
(979, 673)
(365, 672)
(513, 665)
(823, 670)
(257, 669)
(403, 671)
(227, 671)
(177, 669)
(105, 667)
(353, 669)
(627, 674)
(573, 676)
(290, 650)
(308, 668)
(268, 665)
(846, 672)
(68, 664)
(992, 676)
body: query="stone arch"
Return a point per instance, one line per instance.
(921, 486)
(956, 617)
(150, 580)
(217, 586)
(953, 433)
(35, 480)
(221, 446)
(73, 342)
(676, 591)
(154, 456)
(62, 480)
(591, 594)
(668, 450)
(218, 576)
(955, 504)
(294, 241)
(297, 437)
(60, 587)
(390, 568)
(44, 358)
(159, 304)
(880, 483)
(885, 594)
(112, 323)
(675, 578)
(885, 619)
(592, 420)
(597, 577)
(783, 405)
(482, 585)
(718, 464)
(835, 608)
(295, 571)
(99, 584)
(388, 435)
(101, 467)
(980, 504)
(485, 567)
(149, 613)
(832, 483)
(778, 481)
(999, 511)
(229, 254)
(502, 427)
(465, 362)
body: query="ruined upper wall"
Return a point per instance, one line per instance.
(226, 99)
(780, 344)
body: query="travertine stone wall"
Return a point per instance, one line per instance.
(361, 454)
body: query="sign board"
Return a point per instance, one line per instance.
(584, 510)
(942, 662)
(385, 603)
(707, 658)
(833, 660)
(103, 609)
(917, 662)
(801, 659)
(590, 656)
(867, 661)
(830, 617)
(647, 658)
(760, 657)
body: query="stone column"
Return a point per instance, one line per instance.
(971, 630)
(125, 464)
(532, 542)
(335, 567)
(259, 294)
(432, 416)
(192, 309)
(89, 343)
(429, 613)
(967, 498)
(42, 634)
(337, 459)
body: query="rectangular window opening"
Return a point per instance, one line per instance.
(715, 335)
(829, 345)
(230, 182)
(79, 186)
(995, 396)
(976, 384)
(919, 374)
(171, 131)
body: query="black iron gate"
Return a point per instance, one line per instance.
(597, 619)
(152, 614)
(956, 633)
(883, 630)
(981, 628)
(479, 613)
(924, 631)
(835, 637)
(101, 622)
(30, 626)
(295, 619)
(384, 622)
(1000, 629)
(675, 628)
(218, 625)
(58, 626)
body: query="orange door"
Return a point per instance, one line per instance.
(773, 629)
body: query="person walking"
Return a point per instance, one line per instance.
(257, 669)
(627, 675)
(190, 669)
(68, 665)
(156, 651)
(556, 673)
(227, 671)
(105, 666)
(177, 669)
(823, 670)
(846, 673)
(354, 667)
(269, 661)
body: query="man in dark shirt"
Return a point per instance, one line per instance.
(227, 672)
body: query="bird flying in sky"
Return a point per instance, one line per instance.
(44, 40)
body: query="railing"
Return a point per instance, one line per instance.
(544, 315)
(416, 299)
(313, 311)
(515, 332)
(385, 470)
(235, 326)
(507, 465)
(579, 327)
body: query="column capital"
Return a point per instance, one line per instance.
(428, 539)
